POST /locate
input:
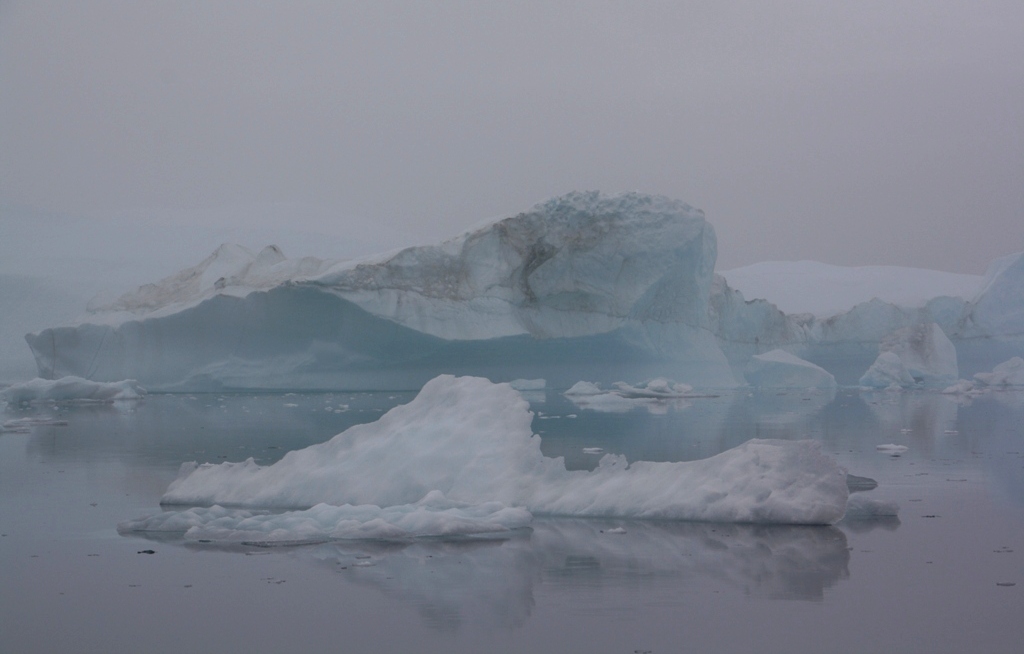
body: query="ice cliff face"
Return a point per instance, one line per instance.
(612, 287)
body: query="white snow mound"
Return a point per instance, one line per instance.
(781, 369)
(72, 389)
(471, 440)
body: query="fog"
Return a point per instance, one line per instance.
(870, 133)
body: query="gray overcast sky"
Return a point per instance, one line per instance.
(848, 132)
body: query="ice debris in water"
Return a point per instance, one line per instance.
(468, 441)
(891, 448)
(72, 389)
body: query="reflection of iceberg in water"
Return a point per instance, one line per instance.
(925, 421)
(494, 582)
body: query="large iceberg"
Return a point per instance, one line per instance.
(607, 286)
(469, 441)
(585, 286)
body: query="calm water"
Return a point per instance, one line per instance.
(934, 580)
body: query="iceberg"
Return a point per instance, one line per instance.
(655, 395)
(1007, 373)
(605, 285)
(72, 389)
(583, 286)
(780, 369)
(887, 371)
(470, 441)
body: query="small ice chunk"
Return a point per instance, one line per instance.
(583, 388)
(616, 530)
(891, 448)
(593, 450)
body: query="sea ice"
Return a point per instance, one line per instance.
(891, 448)
(780, 369)
(72, 389)
(470, 440)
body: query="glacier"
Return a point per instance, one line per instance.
(469, 441)
(583, 286)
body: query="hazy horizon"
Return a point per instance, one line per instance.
(867, 134)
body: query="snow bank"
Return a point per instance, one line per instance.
(781, 369)
(471, 440)
(72, 389)
(1007, 373)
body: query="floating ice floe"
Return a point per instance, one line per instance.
(891, 448)
(72, 389)
(468, 442)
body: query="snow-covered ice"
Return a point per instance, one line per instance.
(470, 440)
(781, 369)
(72, 389)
